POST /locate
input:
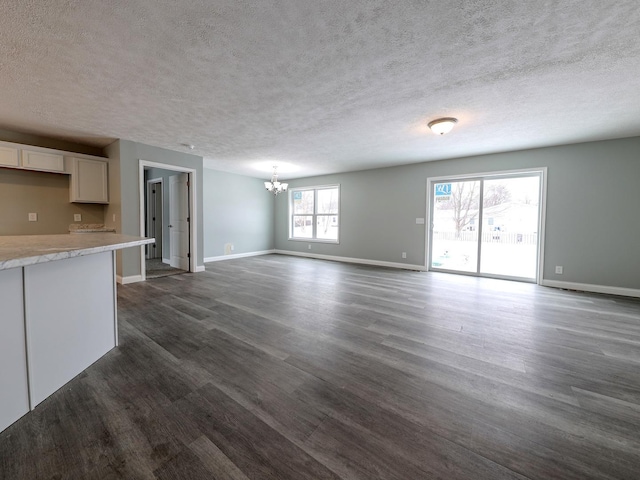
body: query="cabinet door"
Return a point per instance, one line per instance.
(65, 340)
(9, 156)
(47, 162)
(14, 393)
(89, 182)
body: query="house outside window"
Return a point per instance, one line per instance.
(314, 213)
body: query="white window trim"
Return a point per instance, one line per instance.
(315, 188)
(193, 205)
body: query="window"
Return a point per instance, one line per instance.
(315, 213)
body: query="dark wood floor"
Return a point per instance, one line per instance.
(278, 367)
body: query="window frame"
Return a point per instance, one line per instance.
(315, 215)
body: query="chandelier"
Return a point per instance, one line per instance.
(274, 186)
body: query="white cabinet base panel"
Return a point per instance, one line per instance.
(14, 394)
(57, 312)
(70, 312)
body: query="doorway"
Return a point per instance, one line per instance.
(154, 217)
(487, 225)
(167, 209)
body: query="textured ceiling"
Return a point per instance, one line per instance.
(327, 86)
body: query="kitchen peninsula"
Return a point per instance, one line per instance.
(57, 312)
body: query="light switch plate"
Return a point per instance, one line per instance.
(33, 217)
(419, 221)
(77, 217)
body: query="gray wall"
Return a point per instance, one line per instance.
(237, 210)
(592, 207)
(593, 210)
(113, 211)
(124, 156)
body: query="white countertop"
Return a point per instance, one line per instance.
(23, 250)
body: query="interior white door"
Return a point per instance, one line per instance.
(157, 224)
(179, 220)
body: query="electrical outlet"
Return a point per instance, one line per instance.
(114, 217)
(309, 246)
(77, 217)
(232, 247)
(404, 254)
(33, 217)
(559, 270)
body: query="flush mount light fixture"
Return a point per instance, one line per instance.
(274, 186)
(442, 125)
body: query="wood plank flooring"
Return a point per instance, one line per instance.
(279, 367)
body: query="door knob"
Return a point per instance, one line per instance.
(170, 226)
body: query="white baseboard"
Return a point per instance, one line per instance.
(237, 255)
(362, 261)
(130, 279)
(587, 287)
(199, 268)
(166, 260)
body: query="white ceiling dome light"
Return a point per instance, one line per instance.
(442, 125)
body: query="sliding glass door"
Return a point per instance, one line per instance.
(454, 244)
(486, 225)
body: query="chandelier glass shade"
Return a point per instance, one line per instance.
(274, 186)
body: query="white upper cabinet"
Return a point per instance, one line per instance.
(9, 157)
(46, 162)
(88, 175)
(89, 181)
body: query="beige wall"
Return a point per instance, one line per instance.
(46, 142)
(47, 194)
